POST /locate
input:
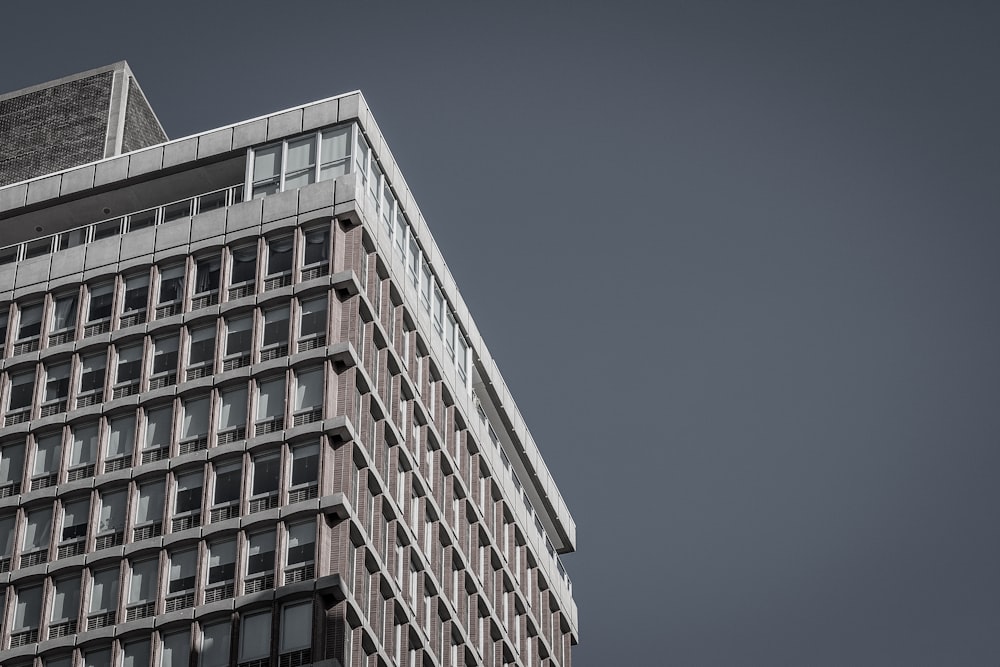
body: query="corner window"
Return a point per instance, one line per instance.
(201, 352)
(112, 515)
(313, 317)
(335, 152)
(76, 516)
(188, 494)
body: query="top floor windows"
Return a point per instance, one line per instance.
(299, 161)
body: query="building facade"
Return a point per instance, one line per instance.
(248, 419)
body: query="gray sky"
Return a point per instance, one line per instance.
(737, 261)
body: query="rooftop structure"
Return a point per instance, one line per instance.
(248, 419)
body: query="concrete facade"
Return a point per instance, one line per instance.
(254, 423)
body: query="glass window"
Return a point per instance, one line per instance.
(188, 495)
(438, 310)
(76, 515)
(426, 284)
(182, 570)
(271, 399)
(84, 449)
(64, 312)
(195, 424)
(300, 169)
(158, 427)
(313, 317)
(129, 363)
(150, 506)
(207, 274)
(136, 292)
(135, 653)
(239, 331)
(121, 437)
(165, 355)
(244, 263)
(335, 152)
(92, 373)
(279, 255)
(317, 246)
(276, 326)
(57, 382)
(4, 316)
(296, 626)
(37, 530)
(22, 388)
(7, 537)
(66, 599)
(221, 561)
(266, 169)
(227, 482)
(215, 645)
(309, 389)
(11, 468)
(233, 412)
(175, 211)
(142, 220)
(171, 284)
(305, 465)
(28, 609)
(175, 650)
(31, 321)
(212, 201)
(202, 350)
(449, 335)
(266, 474)
(104, 591)
(101, 299)
(255, 636)
(72, 238)
(260, 553)
(97, 657)
(301, 543)
(112, 516)
(400, 235)
(142, 583)
(47, 455)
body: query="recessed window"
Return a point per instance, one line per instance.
(296, 627)
(171, 284)
(92, 374)
(244, 264)
(301, 167)
(227, 483)
(136, 293)
(22, 389)
(188, 494)
(221, 561)
(101, 300)
(30, 324)
(76, 515)
(266, 170)
(215, 644)
(317, 246)
(335, 152)
(64, 312)
(207, 274)
(255, 637)
(182, 570)
(313, 317)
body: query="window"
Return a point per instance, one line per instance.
(129, 370)
(4, 316)
(187, 497)
(462, 361)
(101, 300)
(239, 332)
(97, 657)
(438, 310)
(175, 649)
(255, 636)
(37, 533)
(426, 285)
(279, 261)
(449, 336)
(22, 389)
(296, 628)
(317, 249)
(399, 235)
(413, 262)
(76, 516)
(56, 388)
(266, 477)
(164, 362)
(182, 570)
(27, 616)
(83, 454)
(260, 554)
(335, 152)
(275, 333)
(233, 414)
(171, 290)
(313, 323)
(159, 424)
(270, 406)
(92, 379)
(227, 483)
(11, 469)
(136, 299)
(305, 468)
(300, 169)
(244, 268)
(48, 452)
(221, 561)
(201, 352)
(215, 645)
(207, 275)
(301, 544)
(149, 511)
(194, 427)
(30, 324)
(308, 396)
(266, 170)
(135, 653)
(65, 607)
(121, 442)
(63, 319)
(103, 597)
(142, 587)
(112, 517)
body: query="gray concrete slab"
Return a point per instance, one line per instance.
(77, 180)
(32, 271)
(281, 205)
(111, 171)
(13, 196)
(248, 134)
(320, 115)
(284, 124)
(348, 107)
(145, 161)
(317, 195)
(208, 225)
(43, 189)
(215, 143)
(244, 215)
(68, 262)
(137, 243)
(173, 234)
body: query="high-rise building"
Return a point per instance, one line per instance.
(248, 419)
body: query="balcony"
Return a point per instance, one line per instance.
(103, 619)
(63, 629)
(142, 610)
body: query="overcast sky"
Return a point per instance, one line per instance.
(738, 262)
